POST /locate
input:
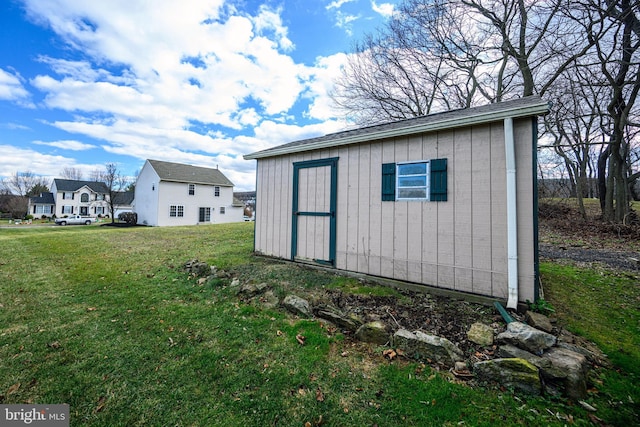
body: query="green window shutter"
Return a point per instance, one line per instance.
(388, 182)
(438, 180)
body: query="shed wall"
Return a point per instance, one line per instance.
(459, 244)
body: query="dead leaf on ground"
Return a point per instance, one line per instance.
(101, 402)
(13, 388)
(54, 344)
(389, 354)
(300, 339)
(344, 354)
(319, 395)
(91, 309)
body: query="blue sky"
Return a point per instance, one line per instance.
(84, 83)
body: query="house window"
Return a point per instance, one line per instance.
(67, 209)
(99, 196)
(222, 210)
(84, 197)
(205, 215)
(99, 210)
(42, 209)
(423, 180)
(176, 211)
(216, 191)
(67, 196)
(192, 189)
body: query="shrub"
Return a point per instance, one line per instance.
(28, 217)
(130, 218)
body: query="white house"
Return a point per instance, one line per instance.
(177, 194)
(447, 200)
(74, 197)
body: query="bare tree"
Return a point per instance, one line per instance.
(72, 173)
(115, 183)
(22, 185)
(614, 28)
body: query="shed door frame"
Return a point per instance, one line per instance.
(333, 201)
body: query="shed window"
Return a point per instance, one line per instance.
(424, 180)
(216, 191)
(192, 189)
(222, 210)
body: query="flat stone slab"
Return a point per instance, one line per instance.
(527, 338)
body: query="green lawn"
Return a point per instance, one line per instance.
(106, 320)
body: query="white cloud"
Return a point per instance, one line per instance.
(344, 21)
(15, 159)
(67, 145)
(11, 89)
(180, 81)
(337, 4)
(384, 9)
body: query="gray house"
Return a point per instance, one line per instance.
(446, 200)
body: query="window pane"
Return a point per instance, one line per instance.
(412, 193)
(412, 181)
(412, 169)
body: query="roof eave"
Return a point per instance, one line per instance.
(445, 123)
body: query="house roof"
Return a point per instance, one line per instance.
(123, 198)
(43, 198)
(523, 107)
(75, 185)
(178, 172)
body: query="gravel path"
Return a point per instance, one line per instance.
(619, 260)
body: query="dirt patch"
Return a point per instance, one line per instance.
(444, 317)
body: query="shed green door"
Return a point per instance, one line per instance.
(313, 236)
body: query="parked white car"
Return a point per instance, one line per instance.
(75, 220)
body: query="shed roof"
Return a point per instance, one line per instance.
(178, 172)
(75, 185)
(522, 107)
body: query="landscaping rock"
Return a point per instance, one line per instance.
(423, 346)
(538, 321)
(567, 373)
(197, 268)
(249, 290)
(269, 299)
(349, 322)
(297, 305)
(480, 334)
(512, 372)
(508, 351)
(373, 332)
(527, 338)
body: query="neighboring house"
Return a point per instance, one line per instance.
(177, 194)
(43, 205)
(74, 197)
(447, 200)
(87, 198)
